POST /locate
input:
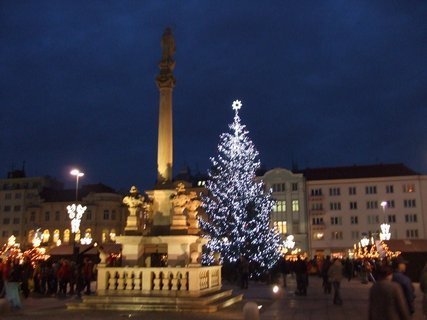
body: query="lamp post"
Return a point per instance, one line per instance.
(75, 213)
(77, 174)
(385, 227)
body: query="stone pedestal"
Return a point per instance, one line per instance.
(132, 249)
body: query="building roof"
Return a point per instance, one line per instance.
(62, 195)
(358, 172)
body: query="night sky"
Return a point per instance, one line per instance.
(323, 83)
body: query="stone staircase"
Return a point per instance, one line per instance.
(124, 301)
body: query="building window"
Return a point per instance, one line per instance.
(7, 208)
(389, 189)
(6, 221)
(352, 191)
(317, 206)
(372, 205)
(355, 235)
(16, 221)
(334, 191)
(295, 206)
(106, 215)
(8, 196)
(47, 216)
(18, 195)
(409, 187)
(335, 206)
(391, 218)
(16, 208)
(390, 204)
(57, 215)
(318, 221)
(411, 218)
(354, 220)
(373, 219)
(336, 221)
(409, 203)
(412, 233)
(294, 186)
(32, 216)
(316, 192)
(353, 205)
(88, 215)
(113, 215)
(371, 189)
(281, 227)
(336, 235)
(279, 206)
(279, 187)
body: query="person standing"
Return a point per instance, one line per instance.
(335, 275)
(244, 272)
(386, 299)
(399, 276)
(327, 286)
(423, 288)
(301, 272)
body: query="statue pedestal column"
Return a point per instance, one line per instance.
(132, 248)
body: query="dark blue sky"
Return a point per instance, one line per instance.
(323, 83)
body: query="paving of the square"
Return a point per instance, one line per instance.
(286, 305)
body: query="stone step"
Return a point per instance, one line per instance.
(209, 303)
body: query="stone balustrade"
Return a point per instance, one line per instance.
(166, 280)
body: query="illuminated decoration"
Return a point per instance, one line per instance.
(11, 241)
(87, 239)
(385, 227)
(38, 237)
(364, 242)
(289, 243)
(237, 207)
(75, 213)
(373, 250)
(385, 231)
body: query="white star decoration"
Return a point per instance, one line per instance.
(237, 105)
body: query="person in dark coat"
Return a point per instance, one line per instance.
(327, 286)
(399, 276)
(301, 273)
(386, 299)
(244, 272)
(423, 288)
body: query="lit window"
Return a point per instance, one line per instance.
(295, 205)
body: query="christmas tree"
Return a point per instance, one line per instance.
(237, 220)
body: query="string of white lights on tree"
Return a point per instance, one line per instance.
(237, 206)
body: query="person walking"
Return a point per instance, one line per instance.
(399, 276)
(327, 286)
(423, 288)
(335, 275)
(386, 299)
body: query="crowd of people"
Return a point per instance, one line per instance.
(22, 277)
(391, 296)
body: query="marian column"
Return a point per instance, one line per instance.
(165, 82)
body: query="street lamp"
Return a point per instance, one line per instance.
(78, 174)
(385, 227)
(75, 213)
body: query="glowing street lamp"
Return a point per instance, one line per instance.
(77, 174)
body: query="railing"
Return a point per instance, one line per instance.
(159, 280)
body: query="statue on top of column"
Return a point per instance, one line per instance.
(168, 45)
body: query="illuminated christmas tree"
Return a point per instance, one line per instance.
(237, 206)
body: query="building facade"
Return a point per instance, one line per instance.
(346, 204)
(32, 206)
(289, 214)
